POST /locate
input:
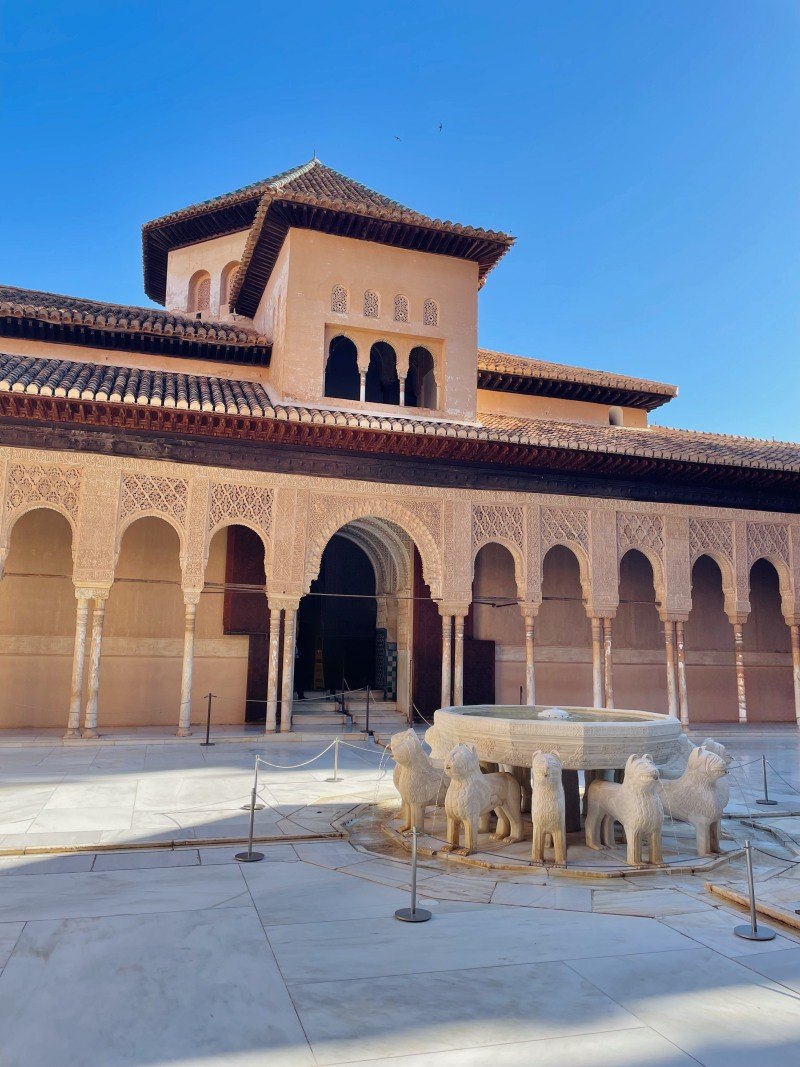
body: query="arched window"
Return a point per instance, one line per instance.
(339, 300)
(400, 309)
(341, 371)
(430, 313)
(200, 292)
(615, 416)
(225, 283)
(421, 382)
(371, 304)
(383, 385)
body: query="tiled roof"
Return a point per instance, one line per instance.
(55, 307)
(126, 385)
(93, 323)
(312, 196)
(96, 382)
(501, 363)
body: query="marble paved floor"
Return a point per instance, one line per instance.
(188, 958)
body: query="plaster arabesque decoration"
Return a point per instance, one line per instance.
(548, 808)
(635, 803)
(418, 781)
(472, 794)
(697, 798)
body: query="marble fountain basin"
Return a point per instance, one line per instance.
(589, 739)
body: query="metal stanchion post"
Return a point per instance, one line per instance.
(367, 725)
(336, 777)
(259, 806)
(765, 799)
(207, 743)
(414, 914)
(250, 856)
(753, 932)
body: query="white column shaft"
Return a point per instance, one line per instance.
(738, 645)
(287, 691)
(530, 675)
(362, 391)
(597, 663)
(447, 623)
(90, 714)
(272, 669)
(680, 655)
(185, 713)
(458, 662)
(672, 687)
(78, 665)
(608, 669)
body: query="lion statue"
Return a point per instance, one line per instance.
(699, 797)
(635, 803)
(472, 794)
(548, 808)
(416, 778)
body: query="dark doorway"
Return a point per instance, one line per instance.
(382, 384)
(336, 622)
(420, 383)
(341, 370)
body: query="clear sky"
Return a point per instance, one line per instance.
(646, 155)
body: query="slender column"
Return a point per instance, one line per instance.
(402, 391)
(287, 691)
(680, 655)
(272, 668)
(458, 662)
(597, 662)
(447, 624)
(78, 663)
(738, 645)
(794, 630)
(362, 392)
(185, 714)
(90, 713)
(608, 671)
(530, 676)
(672, 688)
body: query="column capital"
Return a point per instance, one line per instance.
(736, 619)
(449, 607)
(285, 603)
(529, 609)
(673, 616)
(191, 597)
(92, 592)
(595, 611)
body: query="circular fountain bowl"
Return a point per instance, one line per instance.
(589, 739)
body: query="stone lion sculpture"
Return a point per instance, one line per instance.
(635, 803)
(416, 778)
(547, 808)
(438, 746)
(699, 797)
(472, 794)
(675, 766)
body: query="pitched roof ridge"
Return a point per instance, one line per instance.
(722, 436)
(280, 180)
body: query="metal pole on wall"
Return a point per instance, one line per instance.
(753, 932)
(207, 743)
(413, 914)
(250, 856)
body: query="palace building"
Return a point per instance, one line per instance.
(302, 471)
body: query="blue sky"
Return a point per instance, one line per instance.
(645, 155)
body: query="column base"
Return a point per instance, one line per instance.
(286, 729)
(89, 734)
(183, 731)
(72, 735)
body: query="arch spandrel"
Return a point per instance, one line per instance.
(329, 514)
(501, 524)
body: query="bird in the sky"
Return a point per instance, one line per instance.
(397, 138)
(440, 127)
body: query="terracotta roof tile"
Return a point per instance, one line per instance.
(523, 367)
(131, 385)
(54, 307)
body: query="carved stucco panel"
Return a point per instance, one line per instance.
(677, 601)
(153, 494)
(502, 524)
(194, 556)
(603, 593)
(456, 554)
(533, 557)
(96, 542)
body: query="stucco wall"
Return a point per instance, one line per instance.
(548, 407)
(212, 256)
(313, 263)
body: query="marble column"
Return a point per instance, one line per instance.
(680, 657)
(597, 662)
(190, 601)
(794, 630)
(98, 617)
(402, 391)
(362, 391)
(272, 669)
(672, 684)
(78, 663)
(458, 662)
(738, 646)
(608, 668)
(530, 675)
(447, 625)
(287, 689)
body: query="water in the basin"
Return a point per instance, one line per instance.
(528, 714)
